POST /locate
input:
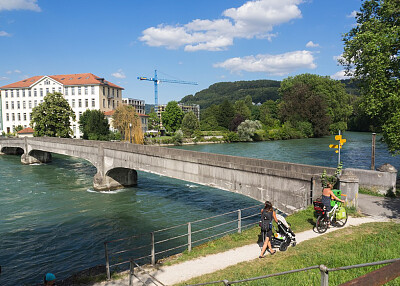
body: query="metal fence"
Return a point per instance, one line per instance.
(148, 247)
(322, 268)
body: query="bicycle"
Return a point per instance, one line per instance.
(333, 218)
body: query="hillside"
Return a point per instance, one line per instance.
(259, 90)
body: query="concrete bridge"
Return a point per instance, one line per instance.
(289, 186)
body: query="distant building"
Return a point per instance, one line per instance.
(26, 132)
(82, 91)
(137, 103)
(185, 108)
(143, 120)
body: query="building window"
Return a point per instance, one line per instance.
(41, 91)
(72, 90)
(6, 104)
(13, 116)
(47, 91)
(7, 117)
(12, 104)
(79, 90)
(24, 104)
(113, 104)
(6, 93)
(17, 92)
(86, 90)
(30, 116)
(59, 89)
(92, 89)
(18, 105)
(93, 102)
(113, 92)
(108, 105)
(66, 90)
(19, 116)
(35, 103)
(86, 102)
(117, 103)
(25, 116)
(73, 103)
(53, 89)
(30, 104)
(34, 92)
(104, 90)
(12, 93)
(46, 82)
(23, 93)
(80, 114)
(79, 102)
(29, 93)
(104, 103)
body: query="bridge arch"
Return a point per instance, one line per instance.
(12, 150)
(115, 178)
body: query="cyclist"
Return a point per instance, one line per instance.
(327, 195)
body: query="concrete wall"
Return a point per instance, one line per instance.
(289, 186)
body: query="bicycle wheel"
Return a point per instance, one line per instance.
(322, 224)
(340, 222)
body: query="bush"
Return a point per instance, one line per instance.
(177, 139)
(231, 137)
(305, 128)
(260, 135)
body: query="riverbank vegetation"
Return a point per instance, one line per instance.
(354, 245)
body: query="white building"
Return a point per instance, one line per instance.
(82, 91)
(138, 104)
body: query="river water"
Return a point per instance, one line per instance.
(51, 220)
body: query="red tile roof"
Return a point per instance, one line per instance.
(65, 79)
(26, 130)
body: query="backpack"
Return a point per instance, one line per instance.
(266, 223)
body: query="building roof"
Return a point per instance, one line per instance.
(65, 79)
(26, 130)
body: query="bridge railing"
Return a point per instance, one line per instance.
(148, 247)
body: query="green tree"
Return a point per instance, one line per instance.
(208, 120)
(241, 108)
(153, 121)
(52, 117)
(247, 129)
(18, 128)
(319, 100)
(172, 116)
(225, 114)
(94, 125)
(372, 56)
(190, 124)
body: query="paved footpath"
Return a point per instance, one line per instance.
(170, 275)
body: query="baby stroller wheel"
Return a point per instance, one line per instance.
(283, 246)
(294, 243)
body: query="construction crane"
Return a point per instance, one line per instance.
(157, 80)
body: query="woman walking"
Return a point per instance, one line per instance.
(267, 214)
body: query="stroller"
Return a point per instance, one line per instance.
(283, 236)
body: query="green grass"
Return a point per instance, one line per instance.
(354, 245)
(371, 192)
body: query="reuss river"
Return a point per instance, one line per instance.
(51, 220)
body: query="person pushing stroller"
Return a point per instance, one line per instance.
(267, 214)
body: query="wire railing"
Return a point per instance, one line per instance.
(148, 247)
(324, 271)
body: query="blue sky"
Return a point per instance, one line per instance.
(205, 41)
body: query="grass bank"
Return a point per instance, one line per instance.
(354, 245)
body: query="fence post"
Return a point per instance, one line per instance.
(239, 221)
(324, 275)
(189, 236)
(131, 271)
(107, 261)
(153, 249)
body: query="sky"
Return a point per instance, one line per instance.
(205, 41)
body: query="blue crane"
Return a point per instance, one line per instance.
(157, 80)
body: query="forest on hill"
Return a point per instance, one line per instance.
(259, 90)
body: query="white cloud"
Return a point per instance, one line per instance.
(352, 14)
(14, 71)
(310, 44)
(4, 33)
(282, 64)
(19, 5)
(119, 74)
(3, 78)
(340, 75)
(254, 19)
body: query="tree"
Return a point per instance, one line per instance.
(247, 129)
(372, 56)
(241, 108)
(208, 120)
(172, 116)
(128, 122)
(319, 100)
(225, 114)
(190, 124)
(52, 117)
(153, 121)
(94, 125)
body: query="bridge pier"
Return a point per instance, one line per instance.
(36, 156)
(116, 178)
